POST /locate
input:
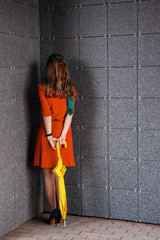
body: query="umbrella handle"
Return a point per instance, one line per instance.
(58, 149)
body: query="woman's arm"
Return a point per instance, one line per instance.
(47, 123)
(67, 123)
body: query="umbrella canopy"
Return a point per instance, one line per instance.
(60, 170)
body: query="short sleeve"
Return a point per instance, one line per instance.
(74, 98)
(46, 111)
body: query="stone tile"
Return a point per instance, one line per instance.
(91, 18)
(45, 17)
(45, 4)
(149, 207)
(73, 193)
(93, 203)
(6, 87)
(148, 82)
(91, 108)
(149, 175)
(32, 21)
(148, 113)
(89, 2)
(33, 54)
(7, 183)
(123, 143)
(69, 48)
(122, 51)
(91, 47)
(123, 174)
(149, 145)
(67, 22)
(64, 3)
(122, 18)
(92, 169)
(124, 204)
(122, 113)
(6, 118)
(121, 1)
(6, 152)
(93, 82)
(18, 15)
(45, 52)
(149, 17)
(18, 46)
(72, 175)
(5, 46)
(122, 82)
(33, 2)
(89, 145)
(5, 12)
(148, 50)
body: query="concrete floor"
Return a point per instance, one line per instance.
(80, 228)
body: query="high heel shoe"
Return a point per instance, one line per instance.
(53, 221)
(54, 215)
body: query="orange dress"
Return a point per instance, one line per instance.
(45, 156)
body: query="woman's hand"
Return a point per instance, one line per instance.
(52, 141)
(61, 140)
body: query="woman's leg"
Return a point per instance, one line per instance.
(50, 187)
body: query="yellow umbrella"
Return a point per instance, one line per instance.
(60, 170)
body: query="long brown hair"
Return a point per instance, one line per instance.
(57, 79)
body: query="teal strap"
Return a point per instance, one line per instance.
(69, 106)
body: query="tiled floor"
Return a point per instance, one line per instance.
(80, 228)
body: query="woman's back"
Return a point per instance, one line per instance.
(52, 106)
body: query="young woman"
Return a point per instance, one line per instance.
(55, 125)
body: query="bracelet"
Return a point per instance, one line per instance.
(50, 134)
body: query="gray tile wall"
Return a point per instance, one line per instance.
(113, 52)
(21, 186)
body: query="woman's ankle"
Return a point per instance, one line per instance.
(51, 209)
